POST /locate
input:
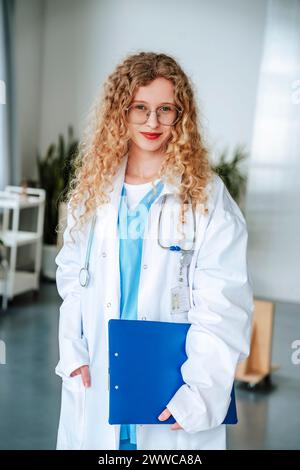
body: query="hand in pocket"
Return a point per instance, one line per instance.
(85, 375)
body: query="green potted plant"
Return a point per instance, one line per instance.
(2, 255)
(230, 172)
(55, 172)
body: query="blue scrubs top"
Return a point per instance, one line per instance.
(131, 225)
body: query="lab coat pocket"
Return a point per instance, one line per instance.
(73, 408)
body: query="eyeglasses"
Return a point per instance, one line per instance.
(138, 113)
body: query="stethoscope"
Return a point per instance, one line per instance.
(84, 275)
(186, 255)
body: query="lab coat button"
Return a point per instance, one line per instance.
(145, 266)
(108, 304)
(103, 254)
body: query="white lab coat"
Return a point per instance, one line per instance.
(221, 302)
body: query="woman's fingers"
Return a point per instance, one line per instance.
(176, 426)
(85, 375)
(75, 372)
(164, 415)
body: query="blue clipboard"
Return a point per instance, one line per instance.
(144, 370)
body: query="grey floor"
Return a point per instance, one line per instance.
(30, 390)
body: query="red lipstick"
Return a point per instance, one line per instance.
(151, 135)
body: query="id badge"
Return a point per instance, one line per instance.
(180, 299)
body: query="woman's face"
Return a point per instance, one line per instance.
(158, 92)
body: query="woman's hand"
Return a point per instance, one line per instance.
(85, 375)
(165, 415)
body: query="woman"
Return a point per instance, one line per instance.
(150, 93)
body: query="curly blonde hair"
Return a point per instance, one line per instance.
(106, 139)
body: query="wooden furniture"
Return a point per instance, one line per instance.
(257, 367)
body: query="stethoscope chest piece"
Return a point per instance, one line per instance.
(186, 257)
(84, 277)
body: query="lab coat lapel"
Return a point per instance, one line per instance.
(106, 232)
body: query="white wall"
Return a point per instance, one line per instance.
(29, 26)
(4, 174)
(273, 191)
(217, 42)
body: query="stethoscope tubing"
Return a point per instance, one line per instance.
(84, 271)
